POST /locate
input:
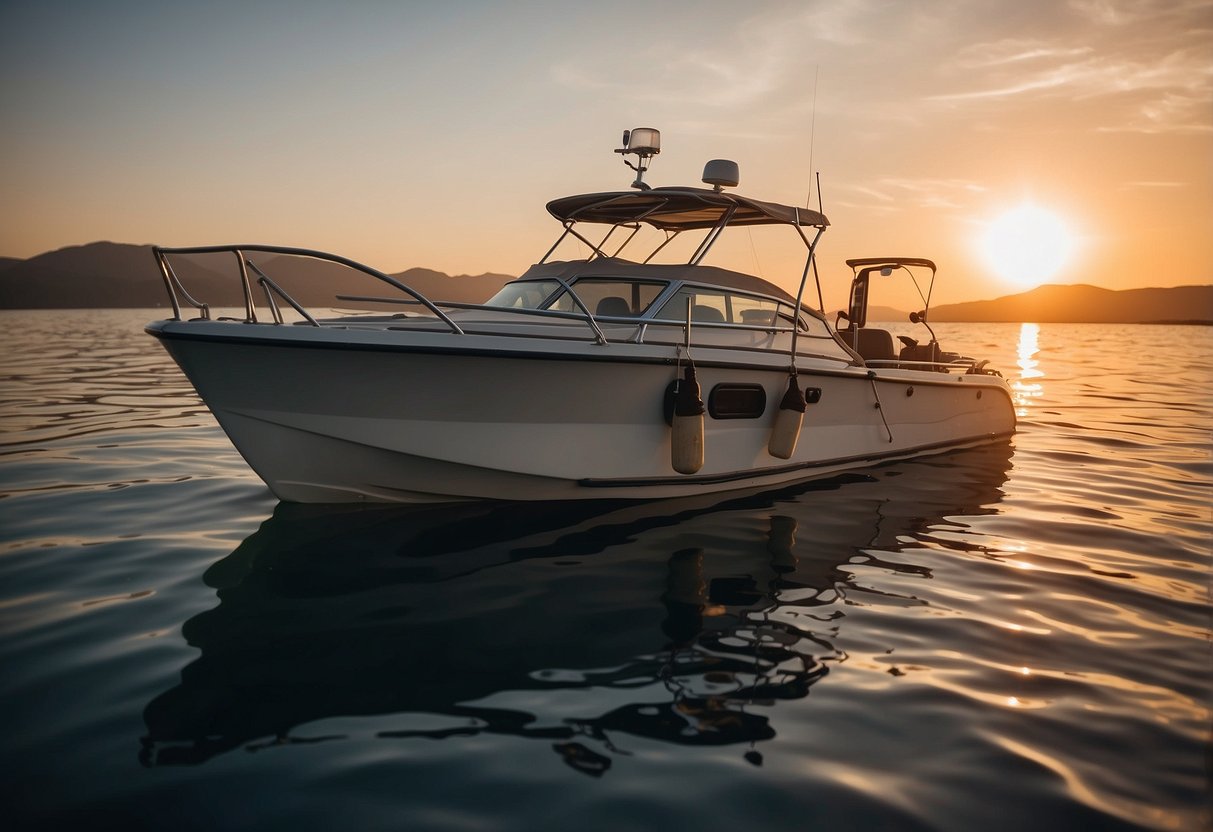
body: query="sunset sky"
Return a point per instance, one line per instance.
(432, 133)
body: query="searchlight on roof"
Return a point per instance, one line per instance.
(645, 142)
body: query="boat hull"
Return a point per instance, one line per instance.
(346, 416)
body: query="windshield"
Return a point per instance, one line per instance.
(524, 294)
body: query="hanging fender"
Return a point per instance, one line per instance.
(788, 421)
(686, 436)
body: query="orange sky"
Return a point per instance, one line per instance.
(432, 134)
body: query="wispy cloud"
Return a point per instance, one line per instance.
(1154, 185)
(1016, 51)
(1148, 62)
(1119, 13)
(924, 193)
(1184, 70)
(766, 59)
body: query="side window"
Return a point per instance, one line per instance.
(706, 306)
(813, 326)
(610, 298)
(754, 311)
(709, 305)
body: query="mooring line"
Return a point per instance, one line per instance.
(876, 393)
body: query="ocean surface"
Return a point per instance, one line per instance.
(1015, 637)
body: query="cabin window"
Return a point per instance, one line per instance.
(610, 297)
(714, 306)
(815, 327)
(524, 294)
(737, 401)
(756, 311)
(706, 306)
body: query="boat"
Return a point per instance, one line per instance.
(635, 369)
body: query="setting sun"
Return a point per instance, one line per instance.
(1027, 245)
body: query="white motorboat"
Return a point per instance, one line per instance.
(609, 375)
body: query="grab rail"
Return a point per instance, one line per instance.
(589, 318)
(940, 366)
(173, 284)
(267, 284)
(271, 288)
(575, 316)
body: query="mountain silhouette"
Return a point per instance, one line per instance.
(121, 275)
(1086, 304)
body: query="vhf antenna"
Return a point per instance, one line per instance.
(812, 132)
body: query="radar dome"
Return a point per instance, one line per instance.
(721, 173)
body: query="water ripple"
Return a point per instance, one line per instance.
(1012, 637)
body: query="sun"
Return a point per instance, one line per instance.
(1027, 245)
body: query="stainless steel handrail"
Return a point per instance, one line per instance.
(936, 366)
(270, 288)
(173, 283)
(250, 311)
(574, 315)
(267, 284)
(589, 317)
(584, 316)
(171, 280)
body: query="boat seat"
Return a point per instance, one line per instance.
(707, 314)
(876, 345)
(613, 307)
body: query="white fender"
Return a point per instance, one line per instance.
(788, 421)
(686, 436)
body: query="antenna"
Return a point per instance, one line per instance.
(812, 134)
(645, 142)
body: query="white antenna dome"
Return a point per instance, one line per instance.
(721, 173)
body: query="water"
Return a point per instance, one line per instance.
(1007, 638)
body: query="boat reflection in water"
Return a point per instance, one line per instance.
(701, 618)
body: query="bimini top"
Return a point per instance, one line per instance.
(679, 209)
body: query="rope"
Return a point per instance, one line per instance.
(879, 408)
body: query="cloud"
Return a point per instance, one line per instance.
(1120, 13)
(1146, 64)
(766, 60)
(1154, 185)
(1015, 51)
(925, 193)
(1100, 76)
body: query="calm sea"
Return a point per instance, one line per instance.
(1016, 637)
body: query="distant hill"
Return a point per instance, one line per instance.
(886, 314)
(120, 275)
(1087, 304)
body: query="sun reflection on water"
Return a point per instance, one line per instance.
(1023, 389)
